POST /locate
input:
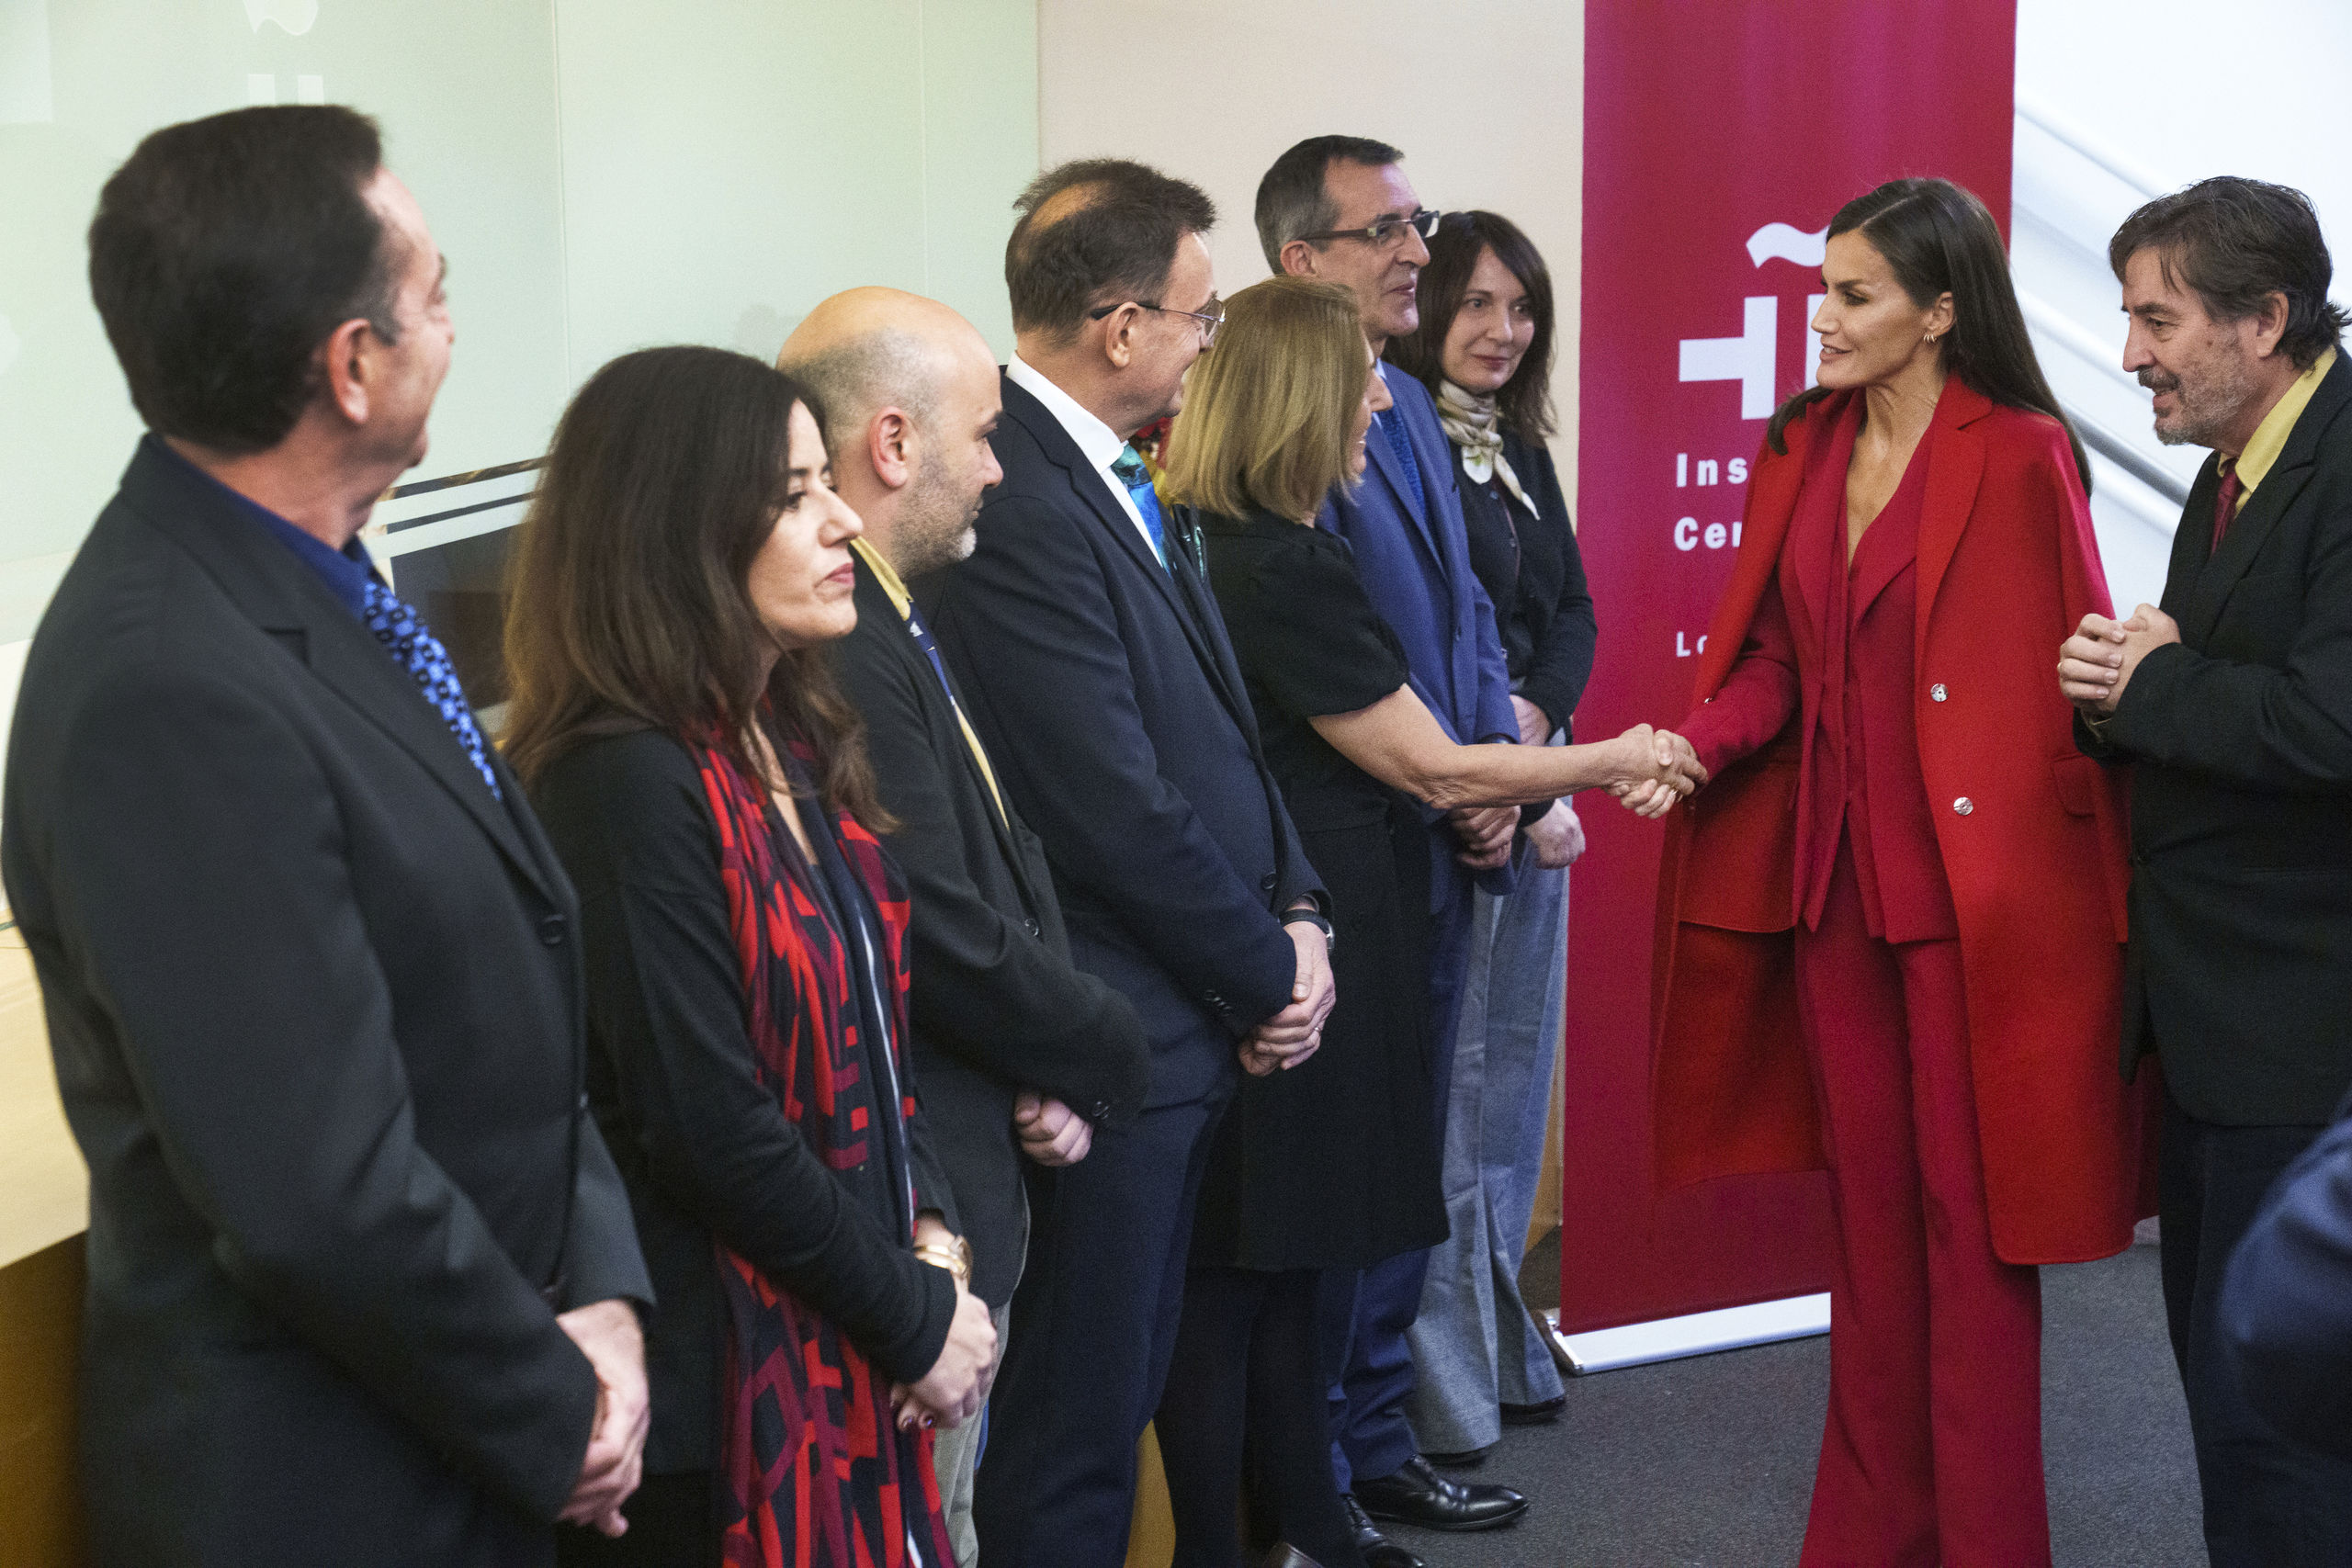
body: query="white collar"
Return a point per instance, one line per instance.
(1099, 444)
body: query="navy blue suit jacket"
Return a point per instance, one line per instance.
(1105, 691)
(2286, 1307)
(1414, 554)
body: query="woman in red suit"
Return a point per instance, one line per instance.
(1891, 927)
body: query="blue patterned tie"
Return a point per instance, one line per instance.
(1137, 479)
(1401, 442)
(420, 653)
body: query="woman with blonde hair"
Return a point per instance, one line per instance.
(1333, 1162)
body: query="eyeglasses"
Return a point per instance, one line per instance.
(1387, 234)
(1210, 319)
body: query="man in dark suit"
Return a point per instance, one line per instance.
(1015, 1051)
(1340, 208)
(1100, 678)
(2233, 702)
(361, 1269)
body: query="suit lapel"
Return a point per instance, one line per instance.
(1955, 469)
(286, 599)
(940, 705)
(2243, 541)
(1771, 504)
(1088, 484)
(347, 657)
(1203, 623)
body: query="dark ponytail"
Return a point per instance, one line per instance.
(1938, 239)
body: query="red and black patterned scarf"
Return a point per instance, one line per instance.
(817, 1472)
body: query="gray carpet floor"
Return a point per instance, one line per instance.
(1708, 1462)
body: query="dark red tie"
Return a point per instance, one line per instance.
(2225, 505)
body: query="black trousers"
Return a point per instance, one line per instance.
(673, 1523)
(1094, 1328)
(2268, 1503)
(1250, 1406)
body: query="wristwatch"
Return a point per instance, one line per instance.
(1312, 918)
(955, 1255)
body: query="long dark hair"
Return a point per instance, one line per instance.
(1939, 239)
(1524, 403)
(631, 607)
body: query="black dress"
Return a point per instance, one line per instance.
(1333, 1163)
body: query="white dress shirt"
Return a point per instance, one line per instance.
(1099, 445)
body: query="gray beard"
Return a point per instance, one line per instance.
(934, 525)
(2207, 406)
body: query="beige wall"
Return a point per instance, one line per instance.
(1486, 98)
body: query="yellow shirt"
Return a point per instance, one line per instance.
(2270, 435)
(903, 602)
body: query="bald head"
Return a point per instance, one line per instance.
(909, 392)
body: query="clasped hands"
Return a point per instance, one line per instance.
(1294, 1035)
(957, 1384)
(609, 1336)
(2098, 661)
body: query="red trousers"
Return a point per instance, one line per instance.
(1932, 1453)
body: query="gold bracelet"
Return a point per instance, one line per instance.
(955, 1260)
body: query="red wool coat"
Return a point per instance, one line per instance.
(2038, 862)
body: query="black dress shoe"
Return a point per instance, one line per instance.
(1285, 1555)
(1541, 1412)
(1377, 1549)
(1468, 1459)
(1417, 1495)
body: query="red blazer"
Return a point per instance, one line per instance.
(2037, 862)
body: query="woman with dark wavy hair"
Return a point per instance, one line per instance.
(707, 787)
(1483, 349)
(1891, 926)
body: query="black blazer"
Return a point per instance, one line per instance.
(1106, 694)
(314, 998)
(2241, 904)
(994, 1006)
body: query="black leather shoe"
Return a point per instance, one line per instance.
(1468, 1459)
(1542, 1412)
(1285, 1555)
(1377, 1549)
(1417, 1495)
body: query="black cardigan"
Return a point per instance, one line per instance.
(701, 1146)
(1528, 565)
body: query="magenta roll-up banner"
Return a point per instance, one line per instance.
(1720, 137)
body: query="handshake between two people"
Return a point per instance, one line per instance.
(1644, 770)
(1655, 768)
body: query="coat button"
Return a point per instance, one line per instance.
(551, 931)
(1963, 806)
(1938, 691)
(1267, 882)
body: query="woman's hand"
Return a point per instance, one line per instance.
(951, 1392)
